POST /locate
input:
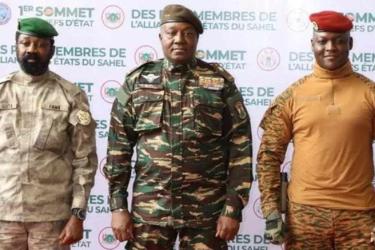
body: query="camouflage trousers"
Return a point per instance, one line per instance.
(325, 229)
(150, 237)
(31, 235)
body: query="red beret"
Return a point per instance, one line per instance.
(331, 21)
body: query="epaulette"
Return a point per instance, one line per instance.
(141, 67)
(65, 84)
(220, 70)
(7, 77)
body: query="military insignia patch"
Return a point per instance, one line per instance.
(151, 78)
(209, 82)
(84, 117)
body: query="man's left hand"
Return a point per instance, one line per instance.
(72, 232)
(227, 228)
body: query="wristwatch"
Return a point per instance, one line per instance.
(80, 213)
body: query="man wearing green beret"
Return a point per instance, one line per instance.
(47, 148)
(192, 134)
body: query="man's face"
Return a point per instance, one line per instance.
(331, 50)
(34, 54)
(179, 42)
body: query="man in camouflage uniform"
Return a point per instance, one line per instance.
(47, 149)
(193, 142)
(330, 117)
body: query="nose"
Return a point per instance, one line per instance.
(330, 45)
(180, 38)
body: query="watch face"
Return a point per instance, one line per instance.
(79, 213)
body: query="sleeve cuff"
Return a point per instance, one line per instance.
(232, 212)
(118, 203)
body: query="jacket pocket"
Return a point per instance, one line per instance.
(208, 112)
(52, 132)
(148, 106)
(8, 137)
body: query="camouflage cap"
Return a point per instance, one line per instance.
(38, 27)
(179, 13)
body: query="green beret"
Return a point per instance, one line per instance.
(34, 26)
(179, 13)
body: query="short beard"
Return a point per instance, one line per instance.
(36, 68)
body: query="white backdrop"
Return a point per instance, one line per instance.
(265, 44)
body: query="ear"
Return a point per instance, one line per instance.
(350, 43)
(52, 51)
(312, 43)
(159, 36)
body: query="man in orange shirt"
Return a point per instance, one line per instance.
(330, 117)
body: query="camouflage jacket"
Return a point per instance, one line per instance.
(47, 148)
(193, 142)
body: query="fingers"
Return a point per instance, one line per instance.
(226, 231)
(122, 234)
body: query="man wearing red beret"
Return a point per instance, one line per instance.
(329, 115)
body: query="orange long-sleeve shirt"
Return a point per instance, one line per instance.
(329, 116)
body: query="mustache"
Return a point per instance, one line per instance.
(32, 56)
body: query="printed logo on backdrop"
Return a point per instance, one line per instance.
(257, 95)
(89, 56)
(107, 240)
(109, 89)
(8, 54)
(213, 19)
(303, 61)
(113, 17)
(228, 59)
(248, 242)
(363, 61)
(75, 17)
(87, 87)
(145, 53)
(268, 59)
(300, 61)
(85, 242)
(5, 13)
(102, 127)
(257, 208)
(238, 20)
(362, 21)
(298, 20)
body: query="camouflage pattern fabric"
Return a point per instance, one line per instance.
(275, 229)
(327, 229)
(163, 238)
(272, 151)
(193, 141)
(47, 148)
(31, 235)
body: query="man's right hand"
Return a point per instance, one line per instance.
(275, 228)
(122, 225)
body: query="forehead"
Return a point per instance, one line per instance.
(32, 38)
(177, 26)
(329, 35)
